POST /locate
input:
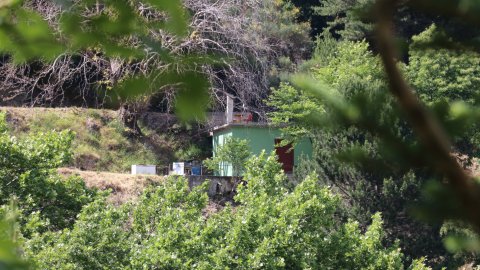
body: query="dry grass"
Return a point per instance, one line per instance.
(24, 119)
(125, 187)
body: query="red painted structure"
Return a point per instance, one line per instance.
(285, 155)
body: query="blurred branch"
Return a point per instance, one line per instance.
(427, 128)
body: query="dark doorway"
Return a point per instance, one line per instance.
(285, 156)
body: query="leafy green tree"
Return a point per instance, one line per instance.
(440, 73)
(99, 239)
(275, 226)
(168, 226)
(308, 14)
(232, 153)
(347, 17)
(355, 20)
(288, 37)
(461, 240)
(347, 154)
(28, 174)
(455, 195)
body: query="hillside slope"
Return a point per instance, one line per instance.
(103, 144)
(123, 187)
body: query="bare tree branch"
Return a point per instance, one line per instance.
(237, 30)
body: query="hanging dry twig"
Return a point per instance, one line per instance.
(233, 29)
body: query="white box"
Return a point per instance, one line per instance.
(178, 168)
(144, 169)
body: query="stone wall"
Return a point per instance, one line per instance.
(220, 186)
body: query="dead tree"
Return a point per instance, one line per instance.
(234, 30)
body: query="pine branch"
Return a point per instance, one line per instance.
(427, 128)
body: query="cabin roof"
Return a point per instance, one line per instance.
(245, 125)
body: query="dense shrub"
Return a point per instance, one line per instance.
(64, 225)
(28, 176)
(275, 226)
(98, 240)
(363, 147)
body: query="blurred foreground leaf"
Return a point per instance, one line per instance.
(9, 251)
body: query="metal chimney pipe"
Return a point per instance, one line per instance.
(229, 111)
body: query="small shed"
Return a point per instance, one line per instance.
(262, 136)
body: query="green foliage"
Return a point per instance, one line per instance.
(26, 35)
(440, 73)
(192, 152)
(233, 152)
(349, 15)
(154, 232)
(418, 264)
(308, 14)
(168, 224)
(443, 76)
(292, 107)
(355, 19)
(279, 21)
(9, 251)
(101, 142)
(275, 226)
(363, 147)
(365, 150)
(27, 173)
(3, 123)
(461, 240)
(98, 240)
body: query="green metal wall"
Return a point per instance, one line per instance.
(218, 139)
(260, 138)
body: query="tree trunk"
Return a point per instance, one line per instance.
(129, 117)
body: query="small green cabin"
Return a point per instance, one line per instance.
(261, 137)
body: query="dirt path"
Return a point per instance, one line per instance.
(125, 187)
